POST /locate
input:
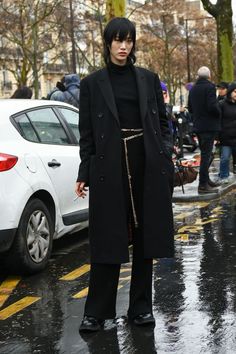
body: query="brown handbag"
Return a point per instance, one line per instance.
(184, 174)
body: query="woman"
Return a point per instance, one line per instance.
(125, 149)
(228, 132)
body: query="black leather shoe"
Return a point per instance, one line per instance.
(145, 319)
(91, 324)
(206, 189)
(213, 184)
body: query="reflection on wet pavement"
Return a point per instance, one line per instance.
(194, 296)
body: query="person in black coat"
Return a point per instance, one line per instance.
(227, 136)
(204, 107)
(126, 161)
(222, 88)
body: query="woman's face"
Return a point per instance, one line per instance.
(120, 50)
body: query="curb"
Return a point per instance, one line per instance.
(194, 196)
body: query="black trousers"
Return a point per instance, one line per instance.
(206, 143)
(104, 278)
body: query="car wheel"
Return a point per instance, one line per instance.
(33, 242)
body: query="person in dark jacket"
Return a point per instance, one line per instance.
(23, 92)
(222, 88)
(71, 92)
(204, 107)
(227, 136)
(126, 160)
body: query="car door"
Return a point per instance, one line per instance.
(60, 158)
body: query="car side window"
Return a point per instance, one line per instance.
(27, 128)
(48, 126)
(72, 119)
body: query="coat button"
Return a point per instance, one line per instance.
(163, 172)
(101, 178)
(102, 136)
(100, 115)
(161, 152)
(155, 131)
(101, 157)
(154, 111)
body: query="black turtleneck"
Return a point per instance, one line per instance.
(125, 91)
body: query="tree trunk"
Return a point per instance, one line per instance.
(222, 12)
(115, 8)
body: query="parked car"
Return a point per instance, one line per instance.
(39, 159)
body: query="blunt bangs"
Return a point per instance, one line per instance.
(119, 27)
(122, 28)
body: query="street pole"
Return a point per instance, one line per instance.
(72, 36)
(35, 57)
(187, 50)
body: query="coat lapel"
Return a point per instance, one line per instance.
(105, 86)
(142, 92)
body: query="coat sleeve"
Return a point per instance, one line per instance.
(190, 108)
(212, 102)
(165, 130)
(86, 143)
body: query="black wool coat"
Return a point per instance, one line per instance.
(101, 169)
(228, 130)
(204, 107)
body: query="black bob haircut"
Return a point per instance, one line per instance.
(119, 27)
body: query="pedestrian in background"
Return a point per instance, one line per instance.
(23, 92)
(125, 150)
(60, 86)
(222, 90)
(222, 94)
(71, 92)
(204, 107)
(227, 137)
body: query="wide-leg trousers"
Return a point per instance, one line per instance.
(104, 278)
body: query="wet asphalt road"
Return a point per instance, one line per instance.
(194, 295)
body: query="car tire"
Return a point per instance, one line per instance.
(32, 245)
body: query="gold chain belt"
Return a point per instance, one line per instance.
(139, 133)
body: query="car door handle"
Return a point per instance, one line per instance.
(54, 163)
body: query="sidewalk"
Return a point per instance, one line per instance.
(191, 190)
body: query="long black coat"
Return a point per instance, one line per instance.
(101, 169)
(204, 107)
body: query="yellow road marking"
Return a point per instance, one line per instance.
(201, 222)
(189, 228)
(183, 215)
(124, 270)
(81, 294)
(182, 237)
(126, 278)
(17, 307)
(78, 272)
(7, 287)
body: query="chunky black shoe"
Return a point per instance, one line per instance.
(145, 319)
(213, 184)
(234, 169)
(206, 189)
(90, 324)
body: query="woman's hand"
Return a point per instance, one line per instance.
(80, 189)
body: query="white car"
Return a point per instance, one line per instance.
(39, 159)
